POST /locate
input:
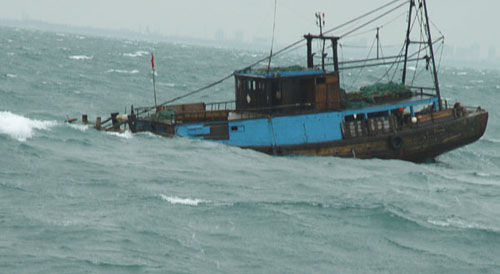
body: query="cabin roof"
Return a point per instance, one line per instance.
(279, 72)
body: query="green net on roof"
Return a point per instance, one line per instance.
(166, 114)
(282, 69)
(376, 94)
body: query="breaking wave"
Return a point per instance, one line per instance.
(21, 128)
(125, 135)
(181, 201)
(81, 57)
(136, 54)
(456, 222)
(123, 71)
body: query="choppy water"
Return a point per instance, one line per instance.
(74, 200)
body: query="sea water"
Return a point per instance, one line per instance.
(75, 200)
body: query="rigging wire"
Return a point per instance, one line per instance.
(385, 66)
(362, 16)
(364, 65)
(342, 58)
(289, 47)
(420, 20)
(373, 20)
(272, 41)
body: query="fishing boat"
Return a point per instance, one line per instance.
(302, 110)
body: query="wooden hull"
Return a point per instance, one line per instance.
(417, 143)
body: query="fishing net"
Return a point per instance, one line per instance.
(166, 114)
(376, 94)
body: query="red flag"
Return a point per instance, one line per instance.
(152, 60)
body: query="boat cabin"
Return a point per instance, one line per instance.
(290, 89)
(285, 90)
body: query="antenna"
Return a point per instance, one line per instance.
(320, 22)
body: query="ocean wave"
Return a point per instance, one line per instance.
(456, 222)
(492, 140)
(21, 128)
(81, 57)
(126, 134)
(81, 128)
(139, 53)
(181, 201)
(11, 75)
(123, 71)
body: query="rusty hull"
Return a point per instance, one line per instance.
(417, 144)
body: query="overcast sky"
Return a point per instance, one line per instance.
(463, 22)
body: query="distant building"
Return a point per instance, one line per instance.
(219, 35)
(492, 53)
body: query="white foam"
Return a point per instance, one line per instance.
(81, 57)
(123, 71)
(81, 128)
(477, 81)
(126, 134)
(21, 128)
(181, 201)
(171, 85)
(139, 53)
(459, 223)
(11, 75)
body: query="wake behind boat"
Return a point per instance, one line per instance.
(303, 109)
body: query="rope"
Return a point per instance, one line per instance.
(373, 20)
(287, 48)
(364, 65)
(272, 41)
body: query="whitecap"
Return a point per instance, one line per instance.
(412, 68)
(181, 201)
(171, 85)
(123, 71)
(139, 53)
(461, 224)
(11, 75)
(81, 57)
(81, 128)
(438, 223)
(461, 73)
(21, 128)
(477, 81)
(125, 135)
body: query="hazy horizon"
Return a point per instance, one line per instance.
(465, 24)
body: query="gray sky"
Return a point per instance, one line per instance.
(463, 22)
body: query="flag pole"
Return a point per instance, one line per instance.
(154, 84)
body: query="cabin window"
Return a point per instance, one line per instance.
(238, 128)
(320, 81)
(260, 85)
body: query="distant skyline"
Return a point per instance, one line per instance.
(465, 24)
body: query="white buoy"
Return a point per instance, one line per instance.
(414, 120)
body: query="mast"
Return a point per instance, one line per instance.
(154, 84)
(431, 48)
(412, 3)
(378, 43)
